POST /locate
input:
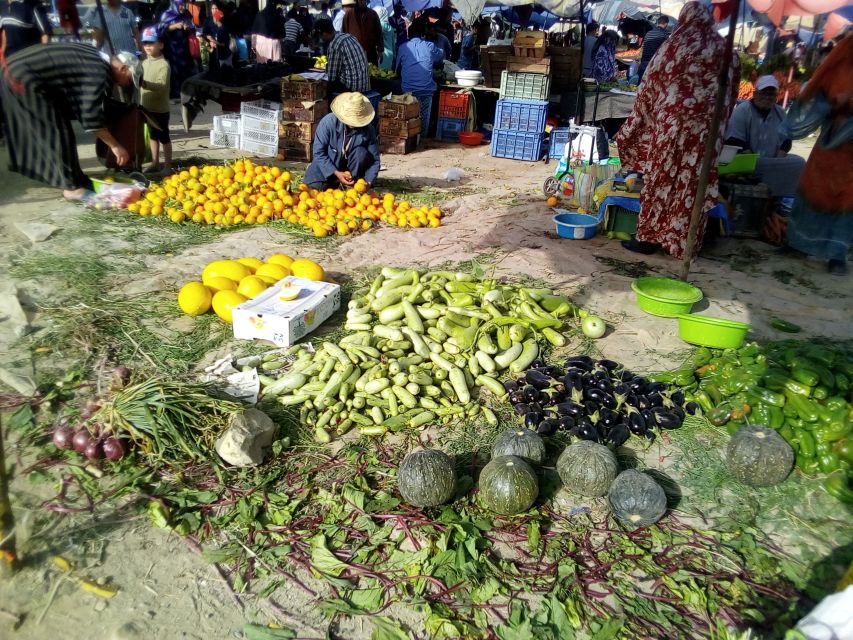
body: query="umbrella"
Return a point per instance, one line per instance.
(777, 9)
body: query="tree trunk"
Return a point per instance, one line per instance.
(8, 556)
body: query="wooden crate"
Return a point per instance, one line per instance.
(529, 44)
(398, 146)
(294, 89)
(298, 131)
(529, 65)
(404, 111)
(304, 110)
(566, 65)
(295, 150)
(392, 128)
(494, 60)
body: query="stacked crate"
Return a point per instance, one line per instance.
(226, 131)
(566, 63)
(399, 126)
(493, 60)
(303, 105)
(259, 127)
(519, 128)
(452, 114)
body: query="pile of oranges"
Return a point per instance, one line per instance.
(245, 193)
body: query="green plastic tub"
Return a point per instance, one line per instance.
(742, 163)
(665, 297)
(716, 333)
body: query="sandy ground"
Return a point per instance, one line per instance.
(497, 209)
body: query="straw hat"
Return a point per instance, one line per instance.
(353, 109)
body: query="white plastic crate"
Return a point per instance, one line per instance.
(250, 123)
(267, 137)
(228, 123)
(259, 148)
(261, 109)
(224, 139)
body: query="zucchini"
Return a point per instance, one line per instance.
(486, 362)
(491, 384)
(528, 354)
(413, 320)
(389, 333)
(460, 385)
(503, 360)
(389, 314)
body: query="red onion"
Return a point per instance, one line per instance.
(81, 439)
(89, 408)
(62, 437)
(114, 449)
(120, 377)
(94, 450)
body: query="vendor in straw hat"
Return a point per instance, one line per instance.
(345, 145)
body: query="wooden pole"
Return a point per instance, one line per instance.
(710, 145)
(8, 555)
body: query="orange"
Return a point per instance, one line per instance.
(552, 201)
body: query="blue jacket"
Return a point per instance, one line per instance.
(329, 140)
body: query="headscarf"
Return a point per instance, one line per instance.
(176, 11)
(382, 12)
(604, 64)
(269, 22)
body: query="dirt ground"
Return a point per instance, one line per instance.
(497, 212)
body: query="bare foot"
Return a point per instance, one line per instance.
(74, 194)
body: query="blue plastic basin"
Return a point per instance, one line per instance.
(576, 226)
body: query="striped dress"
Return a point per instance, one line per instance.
(44, 88)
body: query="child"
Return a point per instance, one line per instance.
(154, 99)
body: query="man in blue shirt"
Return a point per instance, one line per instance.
(415, 62)
(345, 145)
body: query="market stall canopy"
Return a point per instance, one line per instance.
(471, 9)
(778, 9)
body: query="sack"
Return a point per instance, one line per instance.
(194, 47)
(589, 144)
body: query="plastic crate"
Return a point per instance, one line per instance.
(223, 139)
(262, 110)
(229, 123)
(449, 128)
(266, 137)
(259, 148)
(452, 104)
(517, 145)
(559, 138)
(618, 218)
(525, 86)
(521, 115)
(250, 123)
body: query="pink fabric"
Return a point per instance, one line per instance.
(777, 9)
(665, 135)
(266, 48)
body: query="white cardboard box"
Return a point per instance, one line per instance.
(267, 317)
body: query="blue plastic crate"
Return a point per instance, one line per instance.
(449, 128)
(521, 115)
(560, 137)
(517, 145)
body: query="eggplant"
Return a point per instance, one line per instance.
(521, 408)
(621, 388)
(648, 417)
(569, 409)
(573, 382)
(610, 365)
(678, 411)
(531, 393)
(643, 403)
(537, 363)
(693, 409)
(609, 401)
(584, 362)
(547, 427)
(605, 385)
(535, 406)
(656, 386)
(551, 399)
(623, 376)
(591, 406)
(665, 419)
(587, 431)
(594, 393)
(510, 385)
(637, 385)
(632, 400)
(537, 379)
(650, 435)
(532, 419)
(551, 371)
(618, 435)
(600, 374)
(637, 424)
(566, 423)
(677, 397)
(655, 399)
(608, 417)
(516, 396)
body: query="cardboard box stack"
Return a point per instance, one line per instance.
(399, 124)
(303, 105)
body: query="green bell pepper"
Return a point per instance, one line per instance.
(820, 392)
(838, 486)
(844, 449)
(807, 465)
(828, 463)
(760, 413)
(777, 418)
(804, 407)
(807, 444)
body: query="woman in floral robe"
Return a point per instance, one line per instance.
(664, 137)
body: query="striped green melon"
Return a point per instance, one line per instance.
(759, 457)
(587, 468)
(508, 485)
(426, 478)
(636, 499)
(524, 443)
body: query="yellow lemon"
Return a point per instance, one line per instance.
(252, 263)
(224, 302)
(230, 269)
(250, 286)
(305, 268)
(218, 283)
(273, 271)
(280, 258)
(288, 292)
(194, 298)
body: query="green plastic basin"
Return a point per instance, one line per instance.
(665, 297)
(711, 332)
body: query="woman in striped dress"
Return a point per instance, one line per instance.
(46, 87)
